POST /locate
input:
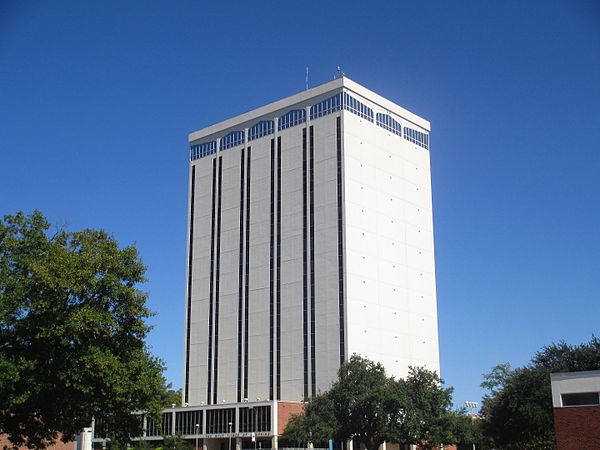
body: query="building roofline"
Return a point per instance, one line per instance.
(558, 376)
(300, 97)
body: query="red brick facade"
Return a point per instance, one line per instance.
(58, 446)
(285, 411)
(577, 428)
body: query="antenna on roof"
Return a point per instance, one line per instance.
(338, 73)
(306, 78)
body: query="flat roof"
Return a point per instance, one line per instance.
(559, 376)
(337, 84)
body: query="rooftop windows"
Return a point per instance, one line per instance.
(202, 150)
(416, 137)
(389, 123)
(262, 128)
(231, 140)
(339, 101)
(356, 107)
(326, 106)
(330, 105)
(292, 118)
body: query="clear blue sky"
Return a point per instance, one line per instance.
(97, 98)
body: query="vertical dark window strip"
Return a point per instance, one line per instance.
(340, 242)
(247, 290)
(271, 269)
(278, 282)
(240, 281)
(189, 286)
(304, 263)
(217, 284)
(313, 370)
(211, 283)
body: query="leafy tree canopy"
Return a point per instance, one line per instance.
(170, 397)
(176, 442)
(367, 406)
(517, 411)
(72, 330)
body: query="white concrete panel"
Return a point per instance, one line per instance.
(292, 378)
(327, 335)
(389, 232)
(258, 301)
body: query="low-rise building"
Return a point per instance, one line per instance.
(576, 402)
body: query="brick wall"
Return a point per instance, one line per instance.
(577, 428)
(285, 411)
(58, 446)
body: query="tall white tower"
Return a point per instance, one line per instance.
(310, 239)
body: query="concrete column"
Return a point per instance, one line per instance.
(274, 442)
(383, 446)
(349, 445)
(83, 441)
(238, 443)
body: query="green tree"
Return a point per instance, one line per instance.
(317, 424)
(367, 406)
(517, 411)
(176, 442)
(72, 330)
(295, 433)
(427, 410)
(170, 397)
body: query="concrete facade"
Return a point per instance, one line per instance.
(310, 239)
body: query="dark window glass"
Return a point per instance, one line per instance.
(581, 399)
(161, 428)
(305, 262)
(340, 241)
(218, 420)
(217, 284)
(255, 419)
(247, 266)
(278, 265)
(211, 282)
(185, 422)
(271, 268)
(189, 286)
(313, 339)
(240, 281)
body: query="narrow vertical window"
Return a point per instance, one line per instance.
(340, 241)
(247, 263)
(278, 279)
(271, 269)
(189, 285)
(218, 283)
(211, 283)
(304, 263)
(240, 282)
(313, 370)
